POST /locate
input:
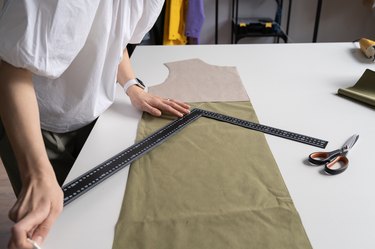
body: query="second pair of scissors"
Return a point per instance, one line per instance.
(335, 161)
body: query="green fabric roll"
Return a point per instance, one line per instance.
(212, 185)
(363, 90)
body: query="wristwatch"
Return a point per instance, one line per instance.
(136, 82)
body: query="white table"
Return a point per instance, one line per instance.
(291, 86)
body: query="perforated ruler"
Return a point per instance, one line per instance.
(93, 177)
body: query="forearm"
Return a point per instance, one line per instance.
(20, 117)
(125, 71)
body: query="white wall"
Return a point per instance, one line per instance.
(341, 20)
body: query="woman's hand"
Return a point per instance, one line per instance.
(39, 204)
(155, 105)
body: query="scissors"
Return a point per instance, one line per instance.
(335, 162)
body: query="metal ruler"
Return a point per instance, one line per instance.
(93, 177)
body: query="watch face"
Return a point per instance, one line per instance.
(140, 82)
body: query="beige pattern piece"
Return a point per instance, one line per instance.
(196, 81)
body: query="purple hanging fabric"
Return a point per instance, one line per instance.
(194, 20)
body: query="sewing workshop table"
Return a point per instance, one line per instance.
(292, 87)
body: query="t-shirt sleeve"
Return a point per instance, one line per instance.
(151, 11)
(44, 36)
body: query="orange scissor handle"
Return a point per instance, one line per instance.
(335, 162)
(337, 166)
(320, 158)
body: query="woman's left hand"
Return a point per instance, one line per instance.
(156, 105)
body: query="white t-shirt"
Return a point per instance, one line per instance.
(73, 49)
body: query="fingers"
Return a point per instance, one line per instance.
(180, 104)
(25, 227)
(152, 110)
(176, 108)
(13, 212)
(156, 106)
(43, 229)
(36, 209)
(35, 225)
(17, 212)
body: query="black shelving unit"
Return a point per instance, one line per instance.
(317, 20)
(259, 27)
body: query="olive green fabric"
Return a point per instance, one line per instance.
(212, 185)
(363, 90)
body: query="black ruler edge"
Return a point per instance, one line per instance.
(266, 129)
(83, 183)
(98, 174)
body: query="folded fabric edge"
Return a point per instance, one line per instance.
(355, 94)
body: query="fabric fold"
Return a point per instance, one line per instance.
(363, 90)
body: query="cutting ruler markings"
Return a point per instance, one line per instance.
(93, 177)
(267, 129)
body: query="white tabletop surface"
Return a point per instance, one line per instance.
(292, 87)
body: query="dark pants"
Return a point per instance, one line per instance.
(62, 150)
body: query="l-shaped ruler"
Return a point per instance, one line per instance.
(93, 177)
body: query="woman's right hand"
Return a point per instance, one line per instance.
(38, 205)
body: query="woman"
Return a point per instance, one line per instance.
(60, 64)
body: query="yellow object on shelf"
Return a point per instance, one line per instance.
(174, 22)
